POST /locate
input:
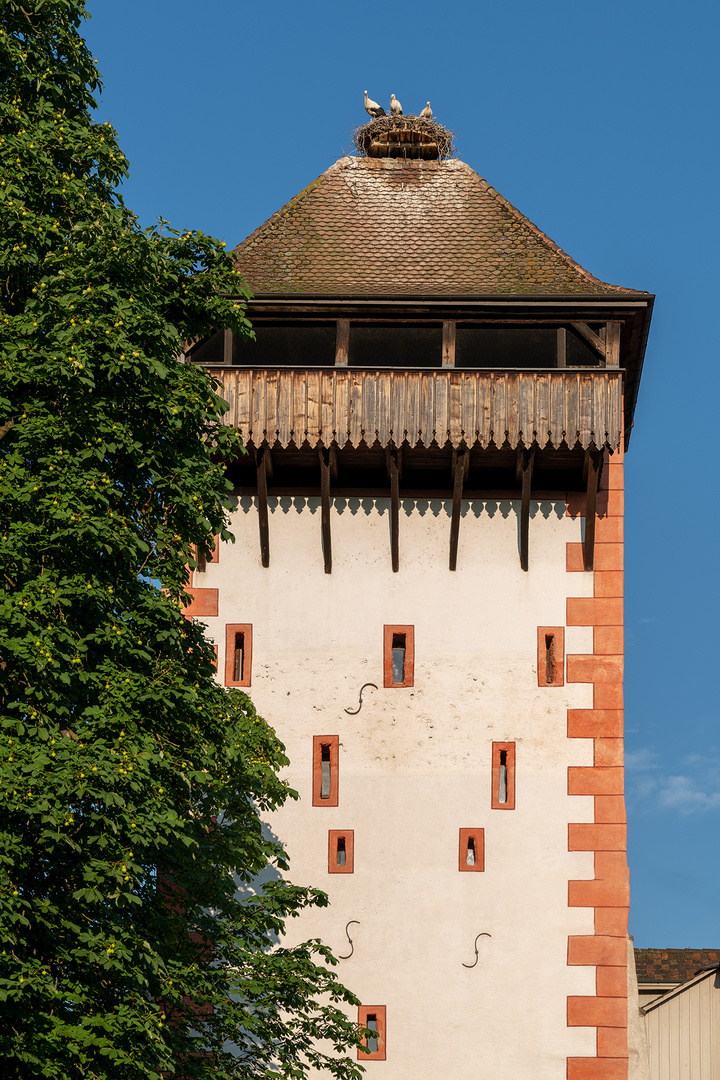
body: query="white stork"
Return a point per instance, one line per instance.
(395, 106)
(426, 114)
(373, 108)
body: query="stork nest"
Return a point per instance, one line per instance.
(391, 128)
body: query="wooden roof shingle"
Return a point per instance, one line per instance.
(383, 227)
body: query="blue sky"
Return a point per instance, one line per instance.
(600, 124)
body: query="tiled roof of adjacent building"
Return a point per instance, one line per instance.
(392, 227)
(672, 965)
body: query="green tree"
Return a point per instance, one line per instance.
(130, 782)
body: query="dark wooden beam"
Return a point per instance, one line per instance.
(594, 464)
(561, 346)
(528, 460)
(227, 347)
(263, 468)
(342, 343)
(325, 508)
(461, 464)
(393, 467)
(591, 337)
(448, 343)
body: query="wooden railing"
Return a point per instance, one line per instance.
(341, 405)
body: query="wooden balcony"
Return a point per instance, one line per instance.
(277, 406)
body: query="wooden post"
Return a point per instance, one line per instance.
(325, 508)
(561, 346)
(612, 344)
(448, 344)
(263, 462)
(462, 464)
(227, 347)
(393, 455)
(594, 463)
(342, 343)
(528, 461)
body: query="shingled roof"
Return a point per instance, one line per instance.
(394, 227)
(672, 965)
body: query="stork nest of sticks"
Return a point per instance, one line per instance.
(404, 137)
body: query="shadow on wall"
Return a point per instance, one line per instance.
(245, 890)
(477, 508)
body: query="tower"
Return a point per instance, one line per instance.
(425, 600)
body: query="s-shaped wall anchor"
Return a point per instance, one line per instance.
(352, 947)
(476, 950)
(354, 712)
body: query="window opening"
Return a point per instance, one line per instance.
(373, 1019)
(238, 654)
(398, 658)
(239, 659)
(503, 776)
(549, 658)
(341, 854)
(471, 852)
(325, 771)
(502, 787)
(325, 775)
(398, 655)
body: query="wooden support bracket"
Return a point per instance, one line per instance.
(594, 341)
(394, 467)
(461, 466)
(325, 507)
(593, 460)
(528, 460)
(264, 469)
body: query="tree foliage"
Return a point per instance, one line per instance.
(130, 782)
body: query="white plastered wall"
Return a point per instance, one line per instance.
(415, 767)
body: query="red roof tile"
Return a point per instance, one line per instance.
(384, 226)
(672, 965)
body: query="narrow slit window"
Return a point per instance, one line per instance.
(551, 656)
(341, 851)
(398, 656)
(326, 749)
(503, 776)
(502, 784)
(471, 856)
(239, 657)
(325, 771)
(238, 654)
(373, 1019)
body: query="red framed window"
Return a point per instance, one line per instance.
(551, 655)
(238, 654)
(471, 856)
(374, 1018)
(503, 776)
(326, 756)
(341, 851)
(399, 655)
(200, 558)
